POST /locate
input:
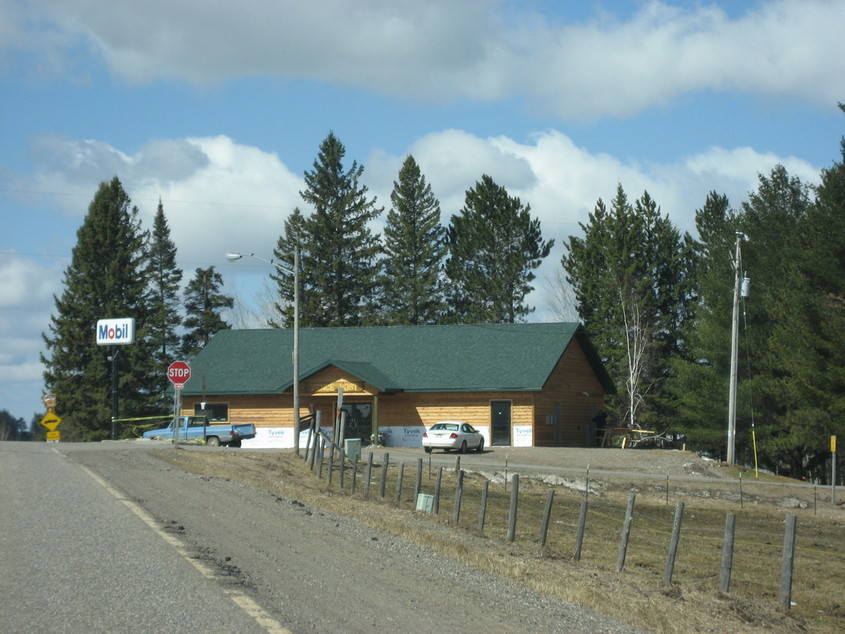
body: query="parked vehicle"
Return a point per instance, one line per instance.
(198, 428)
(452, 434)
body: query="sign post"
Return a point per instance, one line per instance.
(115, 332)
(179, 373)
(51, 420)
(833, 469)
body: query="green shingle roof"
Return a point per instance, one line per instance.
(457, 358)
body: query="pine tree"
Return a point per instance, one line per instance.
(105, 279)
(203, 304)
(164, 303)
(791, 377)
(415, 248)
(632, 275)
(699, 381)
(284, 254)
(494, 247)
(339, 253)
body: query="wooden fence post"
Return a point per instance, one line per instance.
(322, 454)
(787, 563)
(482, 512)
(383, 481)
(673, 544)
(354, 477)
(513, 509)
(399, 483)
(727, 554)
(437, 482)
(459, 493)
(626, 532)
(547, 512)
(582, 524)
(369, 474)
(418, 484)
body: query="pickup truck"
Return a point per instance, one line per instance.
(198, 428)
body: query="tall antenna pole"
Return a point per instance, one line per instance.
(731, 454)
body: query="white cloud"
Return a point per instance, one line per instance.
(20, 373)
(562, 182)
(24, 283)
(222, 196)
(440, 49)
(217, 195)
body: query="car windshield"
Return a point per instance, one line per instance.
(445, 427)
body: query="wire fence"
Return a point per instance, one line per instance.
(714, 536)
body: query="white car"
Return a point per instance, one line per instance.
(452, 434)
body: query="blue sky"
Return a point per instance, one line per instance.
(217, 108)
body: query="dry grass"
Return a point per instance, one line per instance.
(636, 595)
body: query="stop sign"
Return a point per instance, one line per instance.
(179, 372)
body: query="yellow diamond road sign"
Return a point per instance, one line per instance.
(51, 421)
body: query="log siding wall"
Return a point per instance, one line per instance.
(572, 384)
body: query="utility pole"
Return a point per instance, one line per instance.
(296, 350)
(738, 280)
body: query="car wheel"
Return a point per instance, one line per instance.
(427, 449)
(212, 441)
(480, 446)
(464, 447)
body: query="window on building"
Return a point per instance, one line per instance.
(215, 412)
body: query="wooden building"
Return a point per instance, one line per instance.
(519, 384)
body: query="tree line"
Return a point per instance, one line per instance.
(478, 270)
(656, 302)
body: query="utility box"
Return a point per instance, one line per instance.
(352, 448)
(425, 502)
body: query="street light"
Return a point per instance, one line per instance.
(237, 256)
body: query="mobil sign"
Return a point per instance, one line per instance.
(115, 332)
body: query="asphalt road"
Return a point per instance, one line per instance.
(108, 538)
(75, 558)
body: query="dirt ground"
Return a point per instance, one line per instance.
(679, 609)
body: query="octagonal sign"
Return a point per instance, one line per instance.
(179, 372)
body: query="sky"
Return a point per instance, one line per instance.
(218, 108)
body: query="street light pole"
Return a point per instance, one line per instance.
(237, 256)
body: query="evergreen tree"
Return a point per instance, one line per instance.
(11, 428)
(204, 302)
(284, 254)
(164, 302)
(339, 253)
(791, 376)
(632, 274)
(699, 382)
(494, 247)
(415, 248)
(105, 279)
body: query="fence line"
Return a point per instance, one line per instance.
(742, 556)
